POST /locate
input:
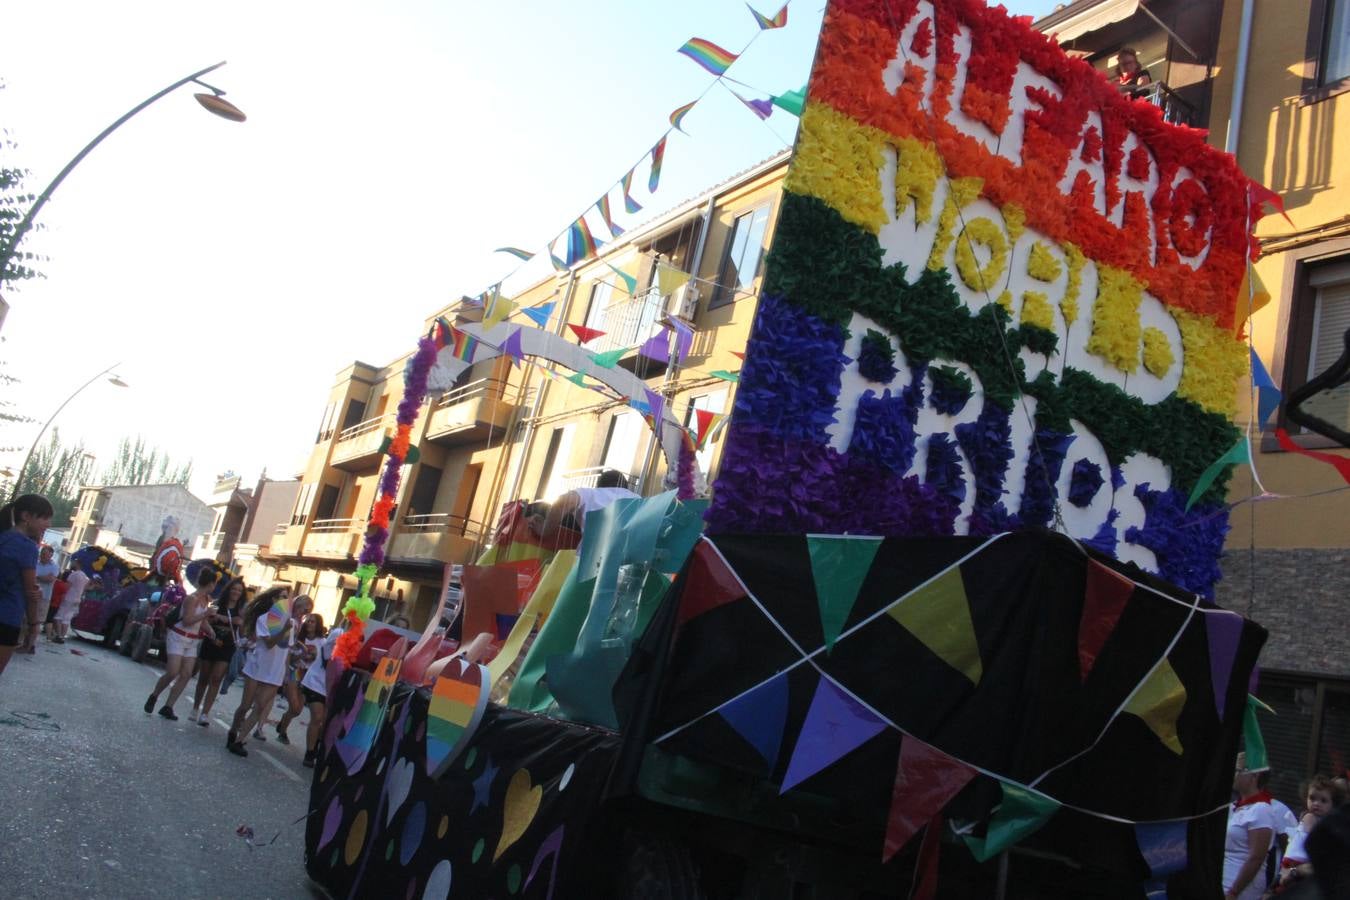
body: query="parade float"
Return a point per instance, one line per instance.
(947, 618)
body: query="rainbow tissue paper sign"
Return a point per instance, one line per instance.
(276, 617)
(1001, 295)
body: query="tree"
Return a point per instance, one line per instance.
(56, 472)
(138, 463)
(15, 201)
(8, 415)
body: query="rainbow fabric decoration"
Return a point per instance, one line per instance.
(628, 202)
(608, 216)
(708, 55)
(677, 117)
(462, 344)
(765, 23)
(354, 746)
(658, 156)
(277, 616)
(458, 698)
(581, 244)
(522, 255)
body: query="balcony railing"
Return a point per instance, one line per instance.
(213, 541)
(1174, 109)
(483, 387)
(358, 448)
(280, 529)
(440, 537)
(332, 526)
(442, 522)
(630, 321)
(361, 428)
(473, 412)
(586, 478)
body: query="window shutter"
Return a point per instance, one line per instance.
(1333, 318)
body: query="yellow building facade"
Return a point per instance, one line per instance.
(505, 432)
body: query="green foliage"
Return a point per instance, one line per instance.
(15, 201)
(139, 463)
(56, 471)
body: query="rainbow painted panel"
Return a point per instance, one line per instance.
(458, 698)
(276, 617)
(354, 746)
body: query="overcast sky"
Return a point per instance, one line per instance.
(233, 269)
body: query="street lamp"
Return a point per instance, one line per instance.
(112, 379)
(213, 102)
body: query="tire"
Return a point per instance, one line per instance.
(128, 638)
(656, 867)
(112, 634)
(140, 644)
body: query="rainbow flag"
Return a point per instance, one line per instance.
(708, 55)
(277, 616)
(523, 255)
(354, 746)
(608, 216)
(658, 156)
(628, 202)
(581, 243)
(458, 698)
(441, 333)
(766, 23)
(462, 344)
(677, 117)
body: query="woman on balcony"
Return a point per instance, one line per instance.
(1131, 77)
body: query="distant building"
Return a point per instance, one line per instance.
(269, 515)
(128, 517)
(231, 506)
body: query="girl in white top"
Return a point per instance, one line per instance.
(264, 669)
(76, 582)
(314, 687)
(181, 643)
(302, 656)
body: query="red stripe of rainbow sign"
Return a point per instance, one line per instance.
(1001, 294)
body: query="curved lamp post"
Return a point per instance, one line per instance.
(23, 470)
(213, 102)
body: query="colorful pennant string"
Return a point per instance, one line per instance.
(724, 375)
(1238, 453)
(761, 108)
(1340, 463)
(609, 358)
(585, 335)
(496, 309)
(677, 116)
(708, 55)
(1223, 630)
(1253, 744)
(790, 101)
(657, 347)
(705, 422)
(603, 206)
(629, 281)
(670, 279)
(1158, 701)
(522, 255)
(926, 779)
(839, 565)
(658, 157)
(760, 716)
(708, 583)
(462, 344)
(581, 244)
(511, 347)
(938, 615)
(1252, 295)
(577, 378)
(1268, 395)
(540, 314)
(656, 403)
(629, 203)
(1105, 595)
(836, 724)
(765, 23)
(1021, 813)
(558, 264)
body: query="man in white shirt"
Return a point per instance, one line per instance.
(46, 571)
(570, 510)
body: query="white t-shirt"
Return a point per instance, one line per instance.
(47, 568)
(70, 603)
(1240, 822)
(316, 678)
(1297, 853)
(265, 664)
(591, 499)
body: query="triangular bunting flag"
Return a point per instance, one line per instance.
(585, 335)
(523, 255)
(1253, 744)
(765, 23)
(1159, 701)
(558, 264)
(629, 203)
(704, 420)
(540, 314)
(677, 116)
(1252, 296)
(577, 378)
(708, 55)
(839, 565)
(791, 101)
(1224, 631)
(496, 310)
(657, 347)
(1021, 813)
(608, 359)
(738, 355)
(1261, 195)
(581, 244)
(603, 206)
(938, 615)
(1340, 463)
(723, 374)
(761, 108)
(1238, 453)
(657, 405)
(1268, 395)
(759, 716)
(708, 583)
(926, 866)
(1105, 594)
(836, 724)
(511, 347)
(1163, 846)
(926, 779)
(629, 281)
(658, 157)
(669, 279)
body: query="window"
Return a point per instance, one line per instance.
(550, 477)
(326, 423)
(1335, 59)
(328, 499)
(356, 410)
(602, 295)
(714, 403)
(1309, 733)
(745, 252)
(301, 513)
(1318, 319)
(425, 488)
(621, 442)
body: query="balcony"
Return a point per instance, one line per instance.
(333, 538)
(438, 537)
(470, 414)
(1174, 108)
(358, 448)
(631, 321)
(586, 478)
(286, 540)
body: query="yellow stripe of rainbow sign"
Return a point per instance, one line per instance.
(1001, 294)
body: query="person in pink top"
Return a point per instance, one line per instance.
(76, 582)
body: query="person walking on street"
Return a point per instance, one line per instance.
(218, 649)
(22, 524)
(304, 653)
(314, 688)
(264, 670)
(182, 643)
(47, 570)
(76, 582)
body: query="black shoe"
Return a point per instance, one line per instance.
(150, 703)
(167, 712)
(231, 737)
(311, 757)
(282, 738)
(237, 749)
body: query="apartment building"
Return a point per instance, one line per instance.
(1286, 559)
(230, 506)
(506, 432)
(126, 518)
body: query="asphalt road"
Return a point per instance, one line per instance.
(102, 800)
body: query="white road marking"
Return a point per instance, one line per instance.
(278, 764)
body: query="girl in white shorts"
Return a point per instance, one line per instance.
(181, 644)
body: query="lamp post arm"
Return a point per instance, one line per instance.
(22, 228)
(23, 470)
